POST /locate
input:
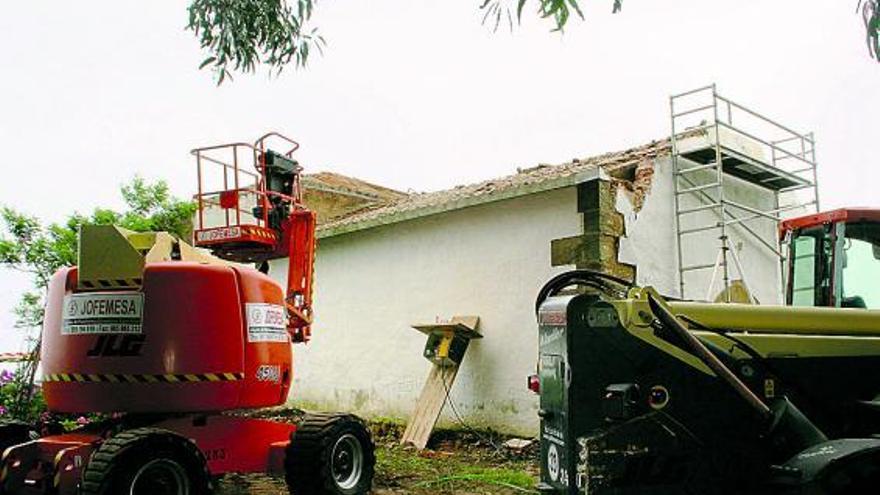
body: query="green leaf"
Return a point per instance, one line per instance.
(207, 62)
(577, 8)
(519, 9)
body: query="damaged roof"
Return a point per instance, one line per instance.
(343, 184)
(525, 181)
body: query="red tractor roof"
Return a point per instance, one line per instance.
(839, 215)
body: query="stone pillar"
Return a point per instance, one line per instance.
(597, 248)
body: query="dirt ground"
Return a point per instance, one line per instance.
(456, 462)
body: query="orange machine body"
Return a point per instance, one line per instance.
(209, 338)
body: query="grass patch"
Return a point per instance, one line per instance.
(454, 471)
(508, 478)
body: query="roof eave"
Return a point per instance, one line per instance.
(466, 202)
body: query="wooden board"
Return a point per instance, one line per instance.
(439, 383)
(457, 328)
(429, 406)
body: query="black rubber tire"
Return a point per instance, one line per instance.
(115, 465)
(309, 457)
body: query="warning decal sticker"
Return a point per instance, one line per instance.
(96, 314)
(266, 322)
(218, 234)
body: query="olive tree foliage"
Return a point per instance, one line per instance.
(558, 11)
(30, 246)
(239, 35)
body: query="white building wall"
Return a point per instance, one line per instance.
(488, 261)
(650, 241)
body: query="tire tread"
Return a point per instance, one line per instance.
(306, 463)
(100, 469)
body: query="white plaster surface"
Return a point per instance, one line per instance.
(729, 138)
(488, 261)
(650, 241)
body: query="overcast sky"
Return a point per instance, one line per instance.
(413, 94)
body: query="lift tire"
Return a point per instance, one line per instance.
(148, 461)
(330, 454)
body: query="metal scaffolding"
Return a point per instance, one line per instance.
(717, 142)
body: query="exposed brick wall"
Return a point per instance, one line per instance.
(597, 248)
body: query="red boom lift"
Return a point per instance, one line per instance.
(164, 339)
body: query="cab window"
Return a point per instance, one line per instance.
(861, 266)
(803, 287)
(811, 267)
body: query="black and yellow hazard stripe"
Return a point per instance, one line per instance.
(111, 283)
(260, 233)
(139, 378)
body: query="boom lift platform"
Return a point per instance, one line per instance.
(164, 339)
(258, 215)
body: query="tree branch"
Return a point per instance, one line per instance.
(238, 35)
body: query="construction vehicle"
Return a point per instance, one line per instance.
(166, 341)
(641, 393)
(835, 259)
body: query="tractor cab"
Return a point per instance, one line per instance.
(250, 210)
(834, 259)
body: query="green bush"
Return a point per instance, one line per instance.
(18, 400)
